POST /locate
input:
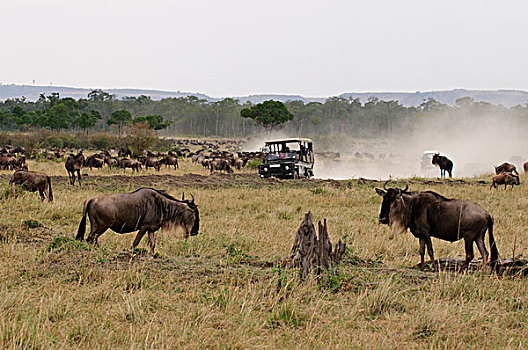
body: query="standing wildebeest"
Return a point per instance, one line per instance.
(146, 210)
(152, 162)
(33, 181)
(221, 165)
(506, 168)
(94, 162)
(505, 179)
(130, 163)
(443, 163)
(525, 167)
(74, 163)
(124, 152)
(428, 214)
(170, 160)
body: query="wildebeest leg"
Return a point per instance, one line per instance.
(469, 251)
(482, 249)
(42, 197)
(430, 249)
(79, 176)
(422, 252)
(139, 236)
(95, 232)
(152, 241)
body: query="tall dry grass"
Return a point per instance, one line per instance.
(215, 290)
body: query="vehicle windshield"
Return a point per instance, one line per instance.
(298, 150)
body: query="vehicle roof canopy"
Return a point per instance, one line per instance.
(270, 142)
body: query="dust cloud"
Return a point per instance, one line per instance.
(474, 143)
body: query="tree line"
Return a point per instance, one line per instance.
(191, 116)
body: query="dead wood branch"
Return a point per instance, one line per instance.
(313, 255)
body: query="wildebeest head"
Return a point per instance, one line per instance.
(434, 161)
(196, 227)
(392, 206)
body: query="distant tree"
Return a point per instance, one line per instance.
(268, 114)
(99, 95)
(141, 138)
(155, 122)
(120, 118)
(87, 120)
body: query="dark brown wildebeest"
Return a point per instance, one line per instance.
(94, 162)
(525, 167)
(506, 168)
(221, 165)
(33, 181)
(124, 152)
(74, 163)
(111, 162)
(146, 210)
(505, 179)
(130, 163)
(428, 214)
(170, 160)
(152, 162)
(444, 163)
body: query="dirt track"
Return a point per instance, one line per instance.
(219, 180)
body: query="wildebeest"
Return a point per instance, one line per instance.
(429, 214)
(505, 179)
(124, 152)
(444, 163)
(33, 181)
(145, 209)
(152, 162)
(130, 163)
(506, 168)
(525, 167)
(221, 165)
(94, 161)
(74, 163)
(170, 160)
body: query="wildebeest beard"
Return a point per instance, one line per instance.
(398, 216)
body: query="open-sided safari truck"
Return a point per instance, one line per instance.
(288, 159)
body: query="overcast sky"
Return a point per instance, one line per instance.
(240, 47)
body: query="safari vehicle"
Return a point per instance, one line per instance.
(288, 159)
(427, 166)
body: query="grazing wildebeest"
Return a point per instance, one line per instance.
(130, 163)
(152, 162)
(506, 168)
(505, 179)
(443, 163)
(170, 160)
(429, 214)
(94, 162)
(33, 181)
(111, 162)
(221, 165)
(146, 210)
(74, 163)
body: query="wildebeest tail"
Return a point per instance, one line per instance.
(50, 192)
(493, 247)
(82, 224)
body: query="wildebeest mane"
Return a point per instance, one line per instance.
(437, 195)
(164, 194)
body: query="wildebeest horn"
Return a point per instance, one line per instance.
(385, 185)
(192, 202)
(183, 196)
(406, 186)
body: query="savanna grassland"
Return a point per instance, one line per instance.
(225, 289)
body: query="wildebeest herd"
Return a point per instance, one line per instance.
(426, 214)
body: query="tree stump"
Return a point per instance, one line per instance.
(313, 255)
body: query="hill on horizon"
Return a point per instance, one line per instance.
(507, 98)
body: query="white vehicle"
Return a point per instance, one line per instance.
(427, 166)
